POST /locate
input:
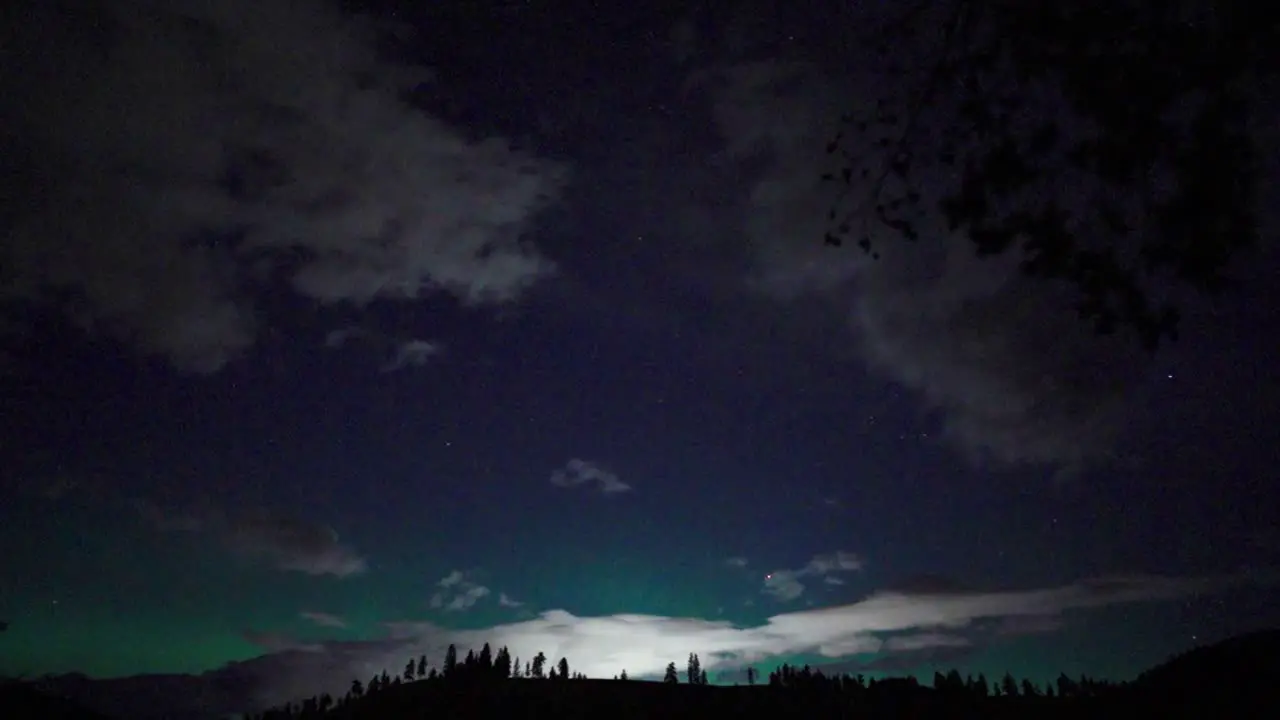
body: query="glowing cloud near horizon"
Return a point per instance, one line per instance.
(643, 644)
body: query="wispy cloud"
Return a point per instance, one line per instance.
(323, 619)
(738, 562)
(275, 642)
(505, 600)
(287, 542)
(785, 585)
(582, 472)
(279, 129)
(457, 593)
(403, 353)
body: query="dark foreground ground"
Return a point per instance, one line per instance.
(615, 700)
(610, 700)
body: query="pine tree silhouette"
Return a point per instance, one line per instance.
(502, 663)
(451, 661)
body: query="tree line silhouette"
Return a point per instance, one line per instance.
(487, 668)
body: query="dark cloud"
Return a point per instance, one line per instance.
(291, 544)
(338, 338)
(286, 542)
(411, 353)
(403, 352)
(1018, 378)
(907, 660)
(164, 158)
(1020, 626)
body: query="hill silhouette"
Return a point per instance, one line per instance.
(1235, 672)
(20, 701)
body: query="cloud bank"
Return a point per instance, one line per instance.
(884, 628)
(1018, 378)
(169, 159)
(582, 472)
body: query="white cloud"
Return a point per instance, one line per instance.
(457, 593)
(579, 472)
(785, 585)
(505, 600)
(738, 562)
(215, 146)
(886, 623)
(323, 619)
(288, 543)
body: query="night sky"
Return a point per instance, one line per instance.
(549, 352)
